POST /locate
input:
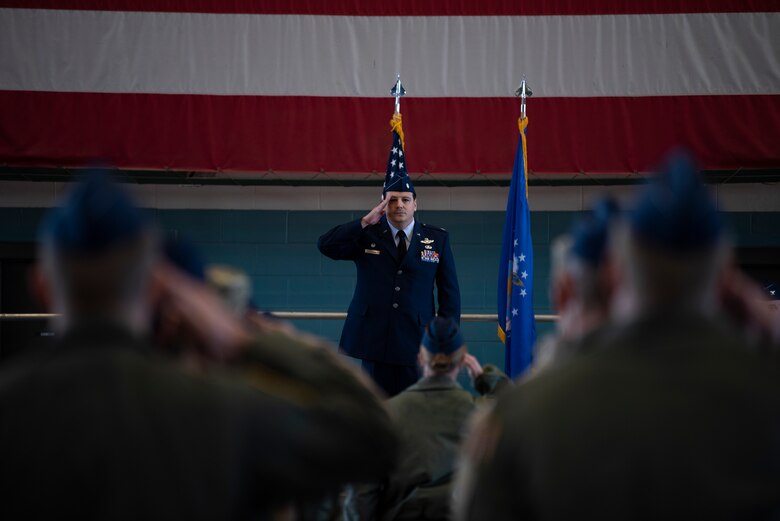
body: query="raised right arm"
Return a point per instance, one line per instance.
(341, 242)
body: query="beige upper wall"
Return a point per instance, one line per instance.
(731, 197)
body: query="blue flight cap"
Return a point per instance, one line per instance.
(442, 336)
(182, 253)
(96, 215)
(590, 234)
(675, 211)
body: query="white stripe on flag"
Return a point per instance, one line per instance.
(481, 56)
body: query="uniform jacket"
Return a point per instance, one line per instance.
(670, 417)
(430, 418)
(393, 302)
(102, 426)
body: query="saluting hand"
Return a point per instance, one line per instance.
(747, 305)
(192, 316)
(374, 215)
(472, 365)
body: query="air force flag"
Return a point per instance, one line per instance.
(516, 326)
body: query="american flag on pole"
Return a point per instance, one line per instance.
(396, 175)
(252, 86)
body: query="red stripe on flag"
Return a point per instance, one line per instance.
(443, 135)
(409, 7)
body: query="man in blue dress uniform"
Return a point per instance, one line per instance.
(398, 260)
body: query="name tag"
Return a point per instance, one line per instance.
(372, 252)
(429, 256)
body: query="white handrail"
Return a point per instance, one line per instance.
(294, 315)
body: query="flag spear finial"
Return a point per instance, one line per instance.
(397, 91)
(523, 92)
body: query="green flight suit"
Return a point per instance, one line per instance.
(103, 426)
(430, 418)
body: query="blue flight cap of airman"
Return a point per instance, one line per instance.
(590, 234)
(771, 291)
(442, 336)
(96, 215)
(675, 211)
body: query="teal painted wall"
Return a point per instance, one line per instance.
(278, 249)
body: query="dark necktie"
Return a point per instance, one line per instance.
(401, 245)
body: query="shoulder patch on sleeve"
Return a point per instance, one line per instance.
(437, 228)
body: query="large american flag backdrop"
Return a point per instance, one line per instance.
(303, 86)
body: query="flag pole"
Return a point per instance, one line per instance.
(516, 326)
(523, 92)
(397, 91)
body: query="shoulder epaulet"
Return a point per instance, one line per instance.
(437, 228)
